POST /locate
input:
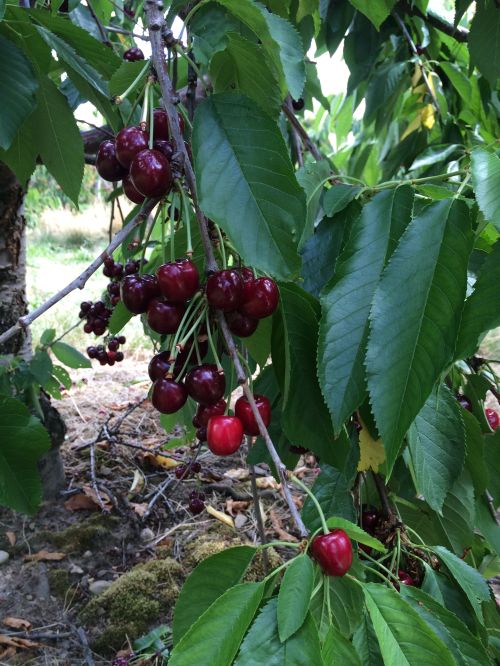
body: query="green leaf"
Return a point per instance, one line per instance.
(124, 76)
(215, 637)
(41, 367)
(23, 152)
(383, 89)
(23, 440)
(437, 446)
(415, 317)
(312, 178)
(17, 84)
(47, 336)
(52, 388)
(333, 494)
(347, 604)
(376, 10)
(470, 580)
(346, 300)
(365, 642)
(180, 435)
(62, 376)
(262, 644)
(58, 138)
(458, 515)
(120, 318)
(464, 646)
(70, 356)
(403, 635)
(242, 66)
(484, 40)
(481, 311)
(475, 460)
(488, 528)
(209, 580)
(338, 651)
(355, 533)
(259, 343)
(485, 167)
(258, 203)
(2, 8)
(294, 596)
(338, 197)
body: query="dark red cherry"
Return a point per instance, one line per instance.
(135, 293)
(106, 163)
(196, 505)
(164, 147)
(240, 324)
(206, 384)
(151, 284)
(159, 366)
(405, 579)
(91, 352)
(178, 280)
(164, 317)
(224, 435)
(168, 396)
(151, 174)
(298, 104)
(131, 192)
(201, 434)
(244, 412)
(133, 54)
(260, 298)
(492, 417)
(129, 142)
(225, 289)
(205, 412)
(333, 552)
(246, 274)
(160, 124)
(369, 520)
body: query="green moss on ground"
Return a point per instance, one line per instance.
(60, 583)
(85, 536)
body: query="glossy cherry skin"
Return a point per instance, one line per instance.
(405, 578)
(159, 365)
(133, 54)
(168, 396)
(205, 412)
(246, 274)
(369, 520)
(131, 192)
(164, 147)
(333, 552)
(129, 142)
(260, 298)
(135, 293)
(240, 324)
(164, 317)
(178, 280)
(160, 124)
(224, 435)
(151, 174)
(225, 289)
(244, 412)
(206, 384)
(492, 417)
(151, 284)
(106, 163)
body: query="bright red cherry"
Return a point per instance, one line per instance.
(159, 365)
(164, 147)
(178, 280)
(244, 412)
(260, 298)
(405, 578)
(136, 293)
(493, 418)
(106, 163)
(224, 435)
(240, 324)
(131, 192)
(206, 384)
(133, 54)
(129, 142)
(164, 317)
(205, 412)
(225, 289)
(333, 552)
(168, 396)
(151, 174)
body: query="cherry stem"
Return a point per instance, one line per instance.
(375, 572)
(277, 570)
(279, 544)
(211, 342)
(381, 566)
(186, 214)
(172, 230)
(119, 98)
(186, 363)
(187, 318)
(181, 51)
(147, 237)
(151, 118)
(191, 331)
(163, 248)
(222, 249)
(309, 492)
(68, 330)
(145, 106)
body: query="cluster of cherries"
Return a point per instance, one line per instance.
(196, 502)
(96, 315)
(492, 416)
(145, 172)
(133, 54)
(110, 356)
(116, 271)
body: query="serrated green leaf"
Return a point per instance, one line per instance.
(402, 634)
(2, 8)
(458, 517)
(17, 84)
(62, 376)
(312, 178)
(209, 580)
(437, 445)
(258, 203)
(346, 602)
(41, 367)
(52, 388)
(484, 40)
(47, 336)
(488, 527)
(415, 317)
(120, 318)
(356, 533)
(376, 10)
(365, 642)
(384, 88)
(209, 28)
(70, 356)
(338, 197)
(333, 494)
(125, 75)
(475, 460)
(215, 637)
(294, 596)
(23, 440)
(338, 651)
(485, 168)
(23, 152)
(430, 584)
(346, 300)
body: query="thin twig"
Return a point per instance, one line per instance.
(94, 478)
(297, 142)
(491, 505)
(121, 31)
(156, 496)
(99, 25)
(258, 514)
(102, 130)
(384, 497)
(304, 136)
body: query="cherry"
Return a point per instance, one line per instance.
(492, 417)
(243, 411)
(131, 266)
(113, 345)
(182, 472)
(178, 280)
(91, 352)
(159, 365)
(465, 402)
(151, 284)
(165, 147)
(151, 174)
(405, 579)
(168, 396)
(164, 317)
(205, 412)
(106, 163)
(196, 505)
(225, 289)
(129, 142)
(121, 338)
(131, 192)
(240, 324)
(333, 552)
(196, 493)
(260, 298)
(119, 357)
(206, 384)
(369, 520)
(136, 293)
(85, 307)
(298, 104)
(201, 434)
(133, 54)
(224, 435)
(160, 124)
(246, 274)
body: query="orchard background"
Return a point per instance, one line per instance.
(267, 431)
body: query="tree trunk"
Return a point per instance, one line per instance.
(13, 304)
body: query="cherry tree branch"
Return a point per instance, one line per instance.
(304, 136)
(81, 280)
(156, 25)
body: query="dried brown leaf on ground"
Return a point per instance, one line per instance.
(237, 474)
(265, 482)
(16, 623)
(14, 641)
(44, 556)
(223, 517)
(235, 506)
(279, 529)
(11, 536)
(140, 509)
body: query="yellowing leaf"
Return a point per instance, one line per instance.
(223, 517)
(415, 124)
(428, 116)
(371, 451)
